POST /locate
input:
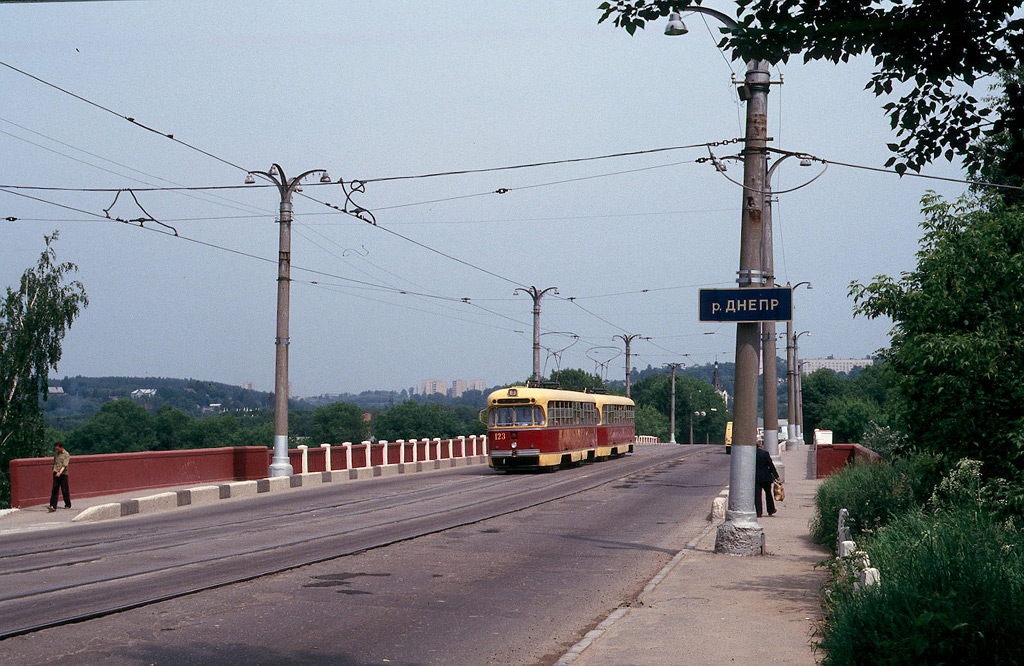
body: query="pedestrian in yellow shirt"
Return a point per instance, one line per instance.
(61, 460)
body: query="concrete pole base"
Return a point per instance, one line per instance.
(733, 539)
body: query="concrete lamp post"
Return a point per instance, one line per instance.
(740, 533)
(672, 405)
(280, 466)
(536, 294)
(799, 390)
(793, 436)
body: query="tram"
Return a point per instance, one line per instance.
(544, 428)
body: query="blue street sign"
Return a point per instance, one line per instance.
(746, 305)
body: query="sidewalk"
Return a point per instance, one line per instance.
(153, 500)
(705, 608)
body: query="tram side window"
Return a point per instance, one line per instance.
(526, 415)
(617, 414)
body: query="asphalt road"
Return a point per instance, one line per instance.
(455, 567)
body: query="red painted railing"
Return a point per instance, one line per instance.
(113, 473)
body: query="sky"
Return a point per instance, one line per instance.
(370, 92)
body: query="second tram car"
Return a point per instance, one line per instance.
(542, 428)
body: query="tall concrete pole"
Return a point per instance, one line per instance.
(769, 376)
(740, 533)
(536, 294)
(628, 339)
(798, 391)
(672, 406)
(792, 378)
(280, 466)
(790, 387)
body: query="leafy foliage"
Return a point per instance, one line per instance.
(957, 345)
(998, 157)
(33, 321)
(576, 380)
(650, 421)
(412, 420)
(848, 406)
(951, 590)
(655, 391)
(338, 423)
(928, 48)
(875, 495)
(121, 426)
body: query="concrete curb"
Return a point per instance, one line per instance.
(207, 494)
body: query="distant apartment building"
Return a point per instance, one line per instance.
(429, 386)
(844, 365)
(458, 387)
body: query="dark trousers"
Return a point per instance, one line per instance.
(60, 483)
(765, 488)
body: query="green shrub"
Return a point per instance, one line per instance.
(951, 592)
(873, 494)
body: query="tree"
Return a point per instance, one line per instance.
(957, 343)
(33, 322)
(171, 423)
(999, 156)
(337, 423)
(692, 395)
(576, 380)
(848, 405)
(650, 421)
(930, 49)
(411, 420)
(121, 426)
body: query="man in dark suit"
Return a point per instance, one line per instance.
(764, 476)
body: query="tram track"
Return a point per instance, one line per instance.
(107, 595)
(219, 525)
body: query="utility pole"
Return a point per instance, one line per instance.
(799, 390)
(536, 294)
(769, 370)
(280, 466)
(792, 439)
(672, 407)
(740, 533)
(628, 339)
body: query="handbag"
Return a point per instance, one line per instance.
(778, 491)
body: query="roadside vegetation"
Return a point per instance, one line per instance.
(941, 516)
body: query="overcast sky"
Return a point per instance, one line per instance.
(370, 91)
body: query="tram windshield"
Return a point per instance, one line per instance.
(525, 415)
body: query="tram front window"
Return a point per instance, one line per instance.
(510, 417)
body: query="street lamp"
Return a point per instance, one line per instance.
(699, 412)
(672, 405)
(791, 380)
(768, 350)
(628, 339)
(798, 391)
(536, 295)
(740, 533)
(280, 466)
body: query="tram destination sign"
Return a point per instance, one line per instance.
(746, 305)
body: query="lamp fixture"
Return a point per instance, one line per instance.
(675, 25)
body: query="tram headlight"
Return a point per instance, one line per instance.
(513, 445)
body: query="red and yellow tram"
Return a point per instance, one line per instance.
(536, 428)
